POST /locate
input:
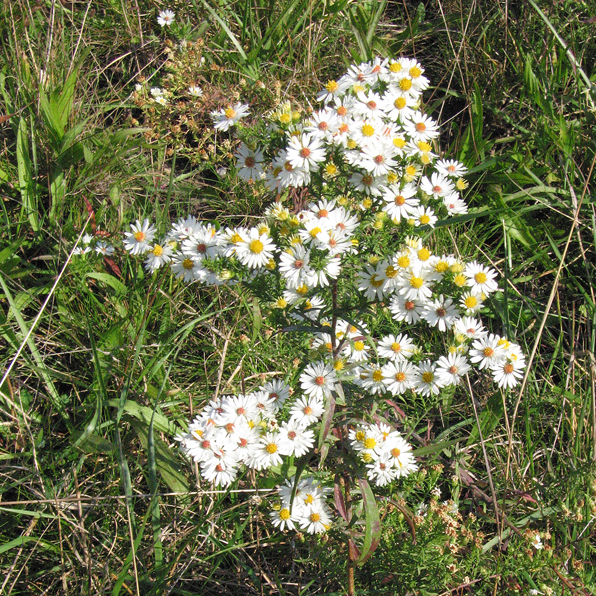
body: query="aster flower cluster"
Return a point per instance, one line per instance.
(385, 452)
(346, 267)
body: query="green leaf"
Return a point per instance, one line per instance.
(372, 531)
(109, 280)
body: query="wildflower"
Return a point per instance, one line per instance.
(399, 376)
(195, 91)
(165, 17)
(305, 152)
(157, 256)
(396, 348)
(507, 372)
(480, 278)
(249, 163)
(103, 248)
(138, 241)
(318, 380)
(224, 119)
(441, 313)
(426, 380)
(283, 519)
(451, 368)
(256, 250)
(306, 410)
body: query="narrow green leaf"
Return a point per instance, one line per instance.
(372, 531)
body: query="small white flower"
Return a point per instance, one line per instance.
(165, 17)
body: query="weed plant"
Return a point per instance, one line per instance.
(104, 361)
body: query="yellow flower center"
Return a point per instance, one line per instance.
(315, 517)
(395, 67)
(359, 346)
(285, 118)
(314, 232)
(403, 261)
(459, 280)
(271, 448)
(396, 347)
(428, 377)
(416, 282)
(400, 377)
(480, 278)
(188, 263)
(376, 282)
(331, 169)
(423, 253)
(370, 443)
(256, 247)
(399, 142)
(230, 113)
(424, 219)
(390, 272)
(441, 267)
(400, 103)
(360, 436)
(415, 72)
(405, 84)
(284, 514)
(332, 86)
(377, 376)
(157, 250)
(470, 302)
(368, 130)
(140, 236)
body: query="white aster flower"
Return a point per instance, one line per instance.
(165, 17)
(138, 241)
(225, 118)
(318, 380)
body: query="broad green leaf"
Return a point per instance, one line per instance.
(372, 531)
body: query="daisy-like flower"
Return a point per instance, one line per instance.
(315, 519)
(423, 216)
(278, 391)
(427, 381)
(470, 327)
(295, 439)
(139, 240)
(295, 268)
(372, 379)
(414, 284)
(165, 18)
(438, 186)
(283, 519)
(455, 205)
(371, 281)
(451, 368)
(400, 201)
(186, 267)
(441, 313)
(487, 351)
(306, 411)
(508, 372)
(381, 471)
(450, 167)
(396, 348)
(471, 302)
(249, 163)
(407, 309)
(480, 278)
(269, 452)
(225, 118)
(103, 248)
(359, 351)
(318, 380)
(421, 127)
(256, 251)
(377, 158)
(399, 376)
(203, 242)
(367, 183)
(195, 91)
(157, 256)
(305, 152)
